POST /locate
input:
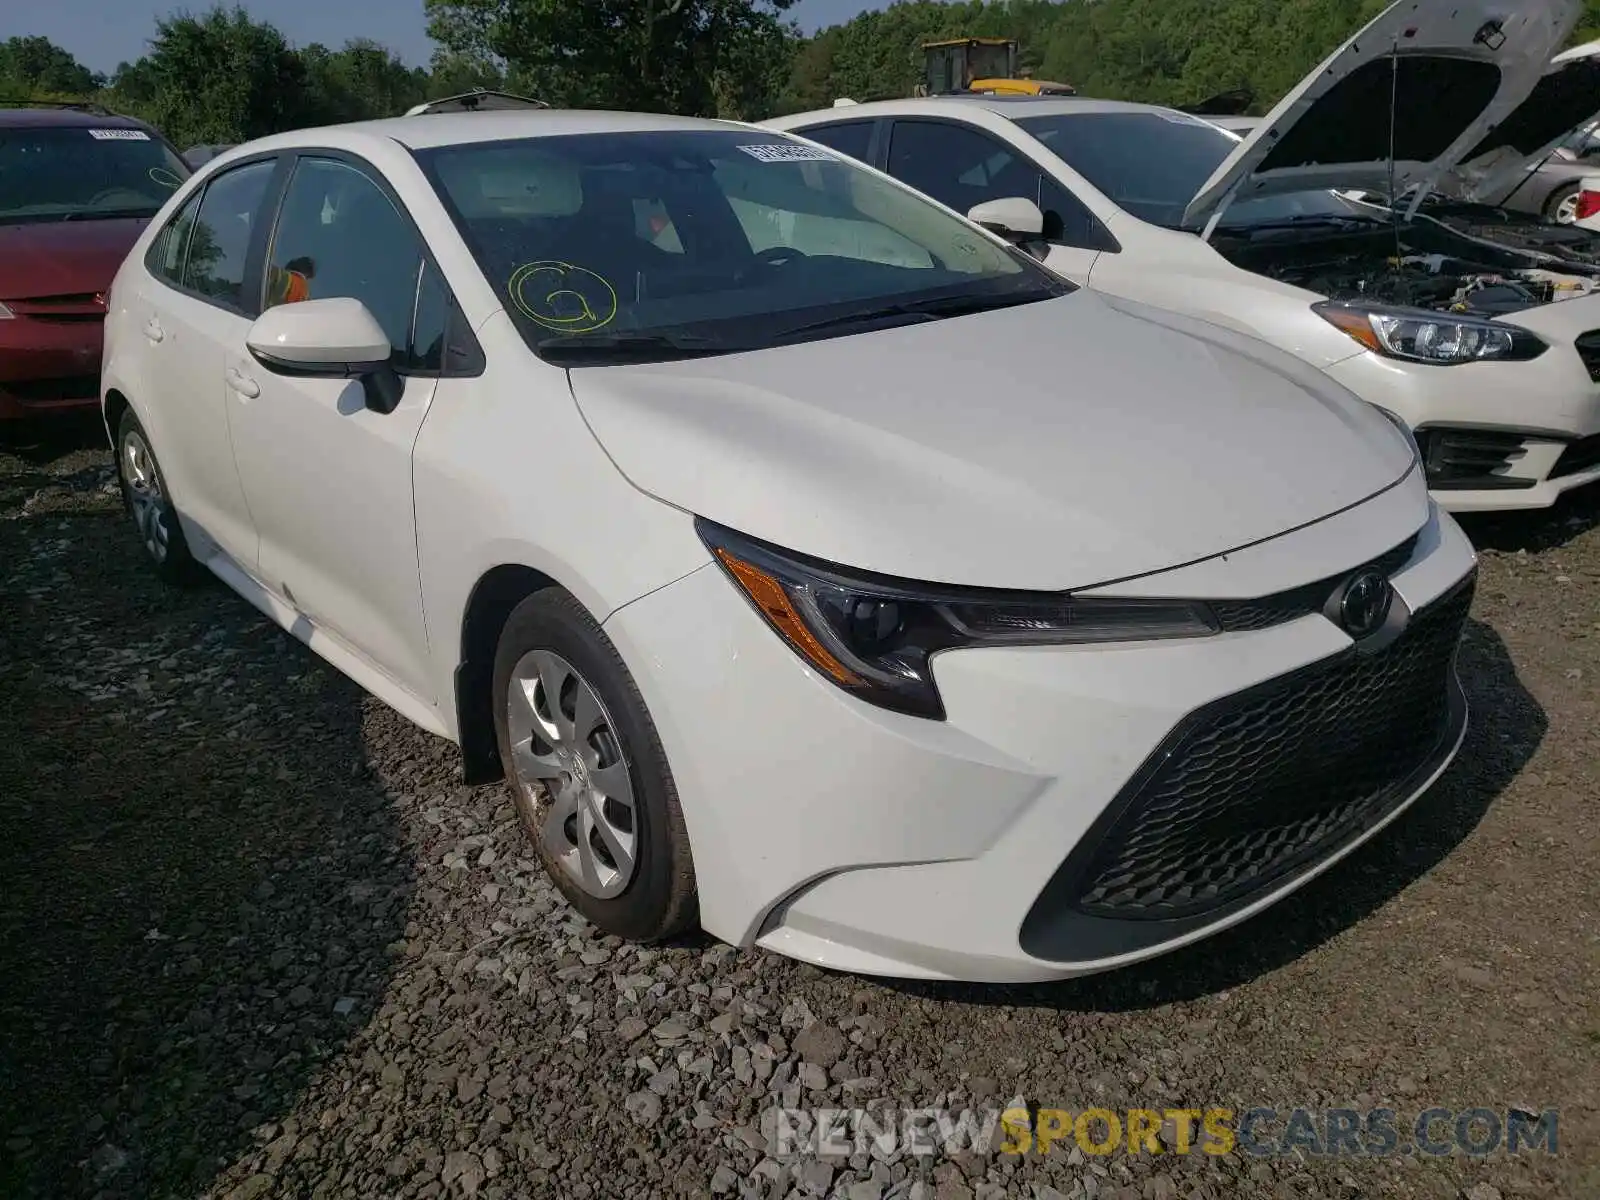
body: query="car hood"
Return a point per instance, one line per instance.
(63, 258)
(1051, 446)
(1449, 70)
(1566, 98)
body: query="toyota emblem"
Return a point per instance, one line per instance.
(1364, 606)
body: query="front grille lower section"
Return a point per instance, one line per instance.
(42, 391)
(1580, 455)
(1244, 616)
(1588, 346)
(1474, 459)
(1257, 784)
(86, 306)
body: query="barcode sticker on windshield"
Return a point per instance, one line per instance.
(786, 152)
(119, 135)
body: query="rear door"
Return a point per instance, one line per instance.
(194, 298)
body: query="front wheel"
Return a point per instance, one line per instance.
(145, 496)
(1562, 208)
(588, 773)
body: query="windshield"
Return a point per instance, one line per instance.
(655, 244)
(1153, 163)
(71, 172)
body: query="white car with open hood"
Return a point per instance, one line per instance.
(1477, 326)
(815, 565)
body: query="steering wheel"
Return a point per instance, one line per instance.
(773, 255)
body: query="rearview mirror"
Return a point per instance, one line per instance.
(1014, 218)
(337, 338)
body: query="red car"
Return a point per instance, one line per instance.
(77, 184)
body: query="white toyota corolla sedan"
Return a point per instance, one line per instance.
(815, 565)
(1477, 326)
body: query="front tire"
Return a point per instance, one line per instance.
(145, 496)
(1562, 207)
(587, 771)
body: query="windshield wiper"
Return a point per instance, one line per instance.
(1301, 219)
(917, 310)
(627, 347)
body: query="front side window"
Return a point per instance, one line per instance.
(220, 242)
(851, 137)
(708, 241)
(339, 234)
(959, 166)
(82, 173)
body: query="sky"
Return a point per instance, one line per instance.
(103, 33)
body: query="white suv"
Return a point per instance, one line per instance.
(815, 565)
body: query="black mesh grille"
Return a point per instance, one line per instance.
(1256, 784)
(1244, 615)
(1589, 350)
(65, 387)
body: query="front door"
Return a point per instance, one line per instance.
(327, 479)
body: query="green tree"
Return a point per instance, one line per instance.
(33, 66)
(690, 56)
(222, 77)
(357, 83)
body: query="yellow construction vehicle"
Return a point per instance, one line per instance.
(982, 66)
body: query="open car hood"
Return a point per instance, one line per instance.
(1566, 98)
(1448, 70)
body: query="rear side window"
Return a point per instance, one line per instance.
(220, 242)
(850, 137)
(165, 257)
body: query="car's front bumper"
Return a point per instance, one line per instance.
(49, 365)
(1496, 436)
(869, 841)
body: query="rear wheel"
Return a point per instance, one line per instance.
(588, 773)
(145, 496)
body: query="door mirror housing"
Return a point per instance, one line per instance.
(336, 338)
(1015, 218)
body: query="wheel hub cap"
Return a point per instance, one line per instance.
(145, 501)
(569, 767)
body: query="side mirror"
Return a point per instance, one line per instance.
(1015, 218)
(337, 338)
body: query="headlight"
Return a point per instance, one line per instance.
(1417, 335)
(874, 636)
(5, 313)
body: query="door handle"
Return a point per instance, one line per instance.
(153, 330)
(243, 384)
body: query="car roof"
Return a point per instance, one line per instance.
(1010, 107)
(31, 117)
(429, 130)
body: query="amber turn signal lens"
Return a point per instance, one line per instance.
(770, 597)
(1355, 323)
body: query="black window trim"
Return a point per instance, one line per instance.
(268, 205)
(457, 327)
(1111, 244)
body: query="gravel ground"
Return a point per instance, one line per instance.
(259, 941)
